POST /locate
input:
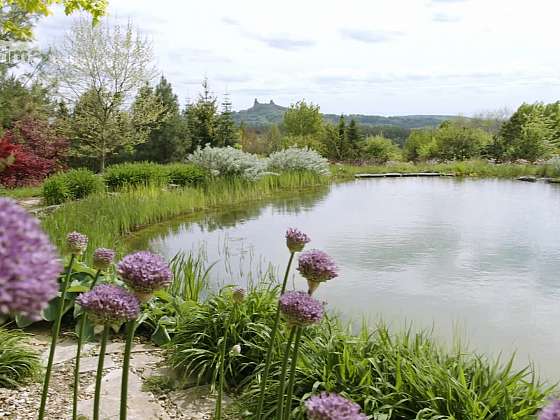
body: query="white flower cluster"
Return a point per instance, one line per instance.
(298, 159)
(227, 161)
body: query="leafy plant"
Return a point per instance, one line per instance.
(228, 161)
(184, 175)
(18, 363)
(71, 185)
(135, 174)
(298, 159)
(194, 349)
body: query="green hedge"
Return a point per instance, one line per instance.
(71, 185)
(145, 173)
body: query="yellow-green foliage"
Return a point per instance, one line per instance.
(105, 218)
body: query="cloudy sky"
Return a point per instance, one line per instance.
(386, 57)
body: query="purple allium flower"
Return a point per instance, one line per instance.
(144, 272)
(77, 242)
(316, 266)
(332, 407)
(238, 294)
(107, 303)
(102, 258)
(29, 263)
(301, 309)
(296, 240)
(551, 411)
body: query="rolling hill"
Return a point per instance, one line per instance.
(264, 114)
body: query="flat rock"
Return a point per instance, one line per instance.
(65, 351)
(89, 364)
(141, 405)
(142, 360)
(196, 403)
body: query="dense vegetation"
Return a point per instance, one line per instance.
(401, 376)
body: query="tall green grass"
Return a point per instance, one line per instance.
(406, 375)
(476, 168)
(18, 363)
(106, 218)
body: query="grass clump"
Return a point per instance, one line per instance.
(18, 363)
(392, 376)
(106, 218)
(21, 192)
(475, 168)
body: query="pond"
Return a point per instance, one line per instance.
(472, 259)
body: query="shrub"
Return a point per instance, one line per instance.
(18, 363)
(227, 161)
(298, 159)
(181, 174)
(135, 174)
(29, 152)
(71, 185)
(378, 149)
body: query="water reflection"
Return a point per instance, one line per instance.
(480, 254)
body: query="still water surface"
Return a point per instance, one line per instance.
(478, 259)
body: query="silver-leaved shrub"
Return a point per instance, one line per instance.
(298, 159)
(227, 161)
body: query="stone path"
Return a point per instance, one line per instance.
(195, 403)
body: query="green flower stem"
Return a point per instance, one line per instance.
(293, 373)
(281, 388)
(99, 376)
(130, 329)
(81, 329)
(222, 361)
(54, 339)
(271, 342)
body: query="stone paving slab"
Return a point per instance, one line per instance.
(141, 405)
(89, 364)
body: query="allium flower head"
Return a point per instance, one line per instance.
(332, 407)
(77, 242)
(102, 258)
(107, 303)
(238, 294)
(316, 266)
(236, 350)
(296, 240)
(551, 411)
(29, 264)
(144, 272)
(300, 309)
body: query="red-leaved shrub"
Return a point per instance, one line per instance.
(36, 150)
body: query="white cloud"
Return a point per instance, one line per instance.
(391, 57)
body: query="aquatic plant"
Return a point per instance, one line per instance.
(77, 244)
(295, 241)
(298, 159)
(106, 218)
(29, 264)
